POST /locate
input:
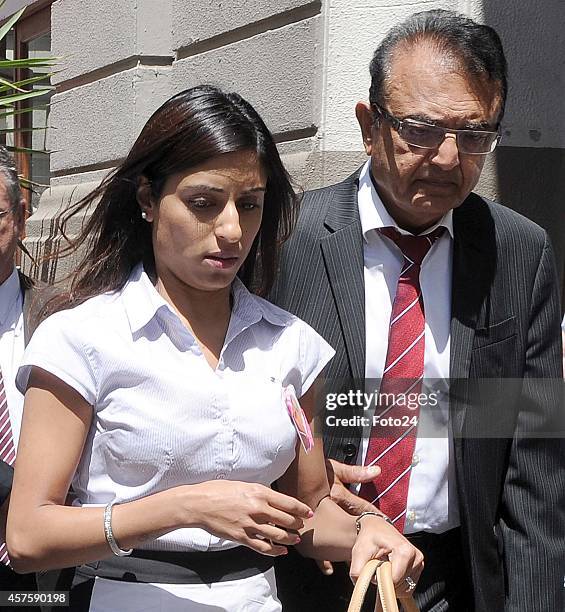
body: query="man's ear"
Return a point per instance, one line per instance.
(366, 121)
(143, 195)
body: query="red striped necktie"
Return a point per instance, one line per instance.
(393, 437)
(7, 449)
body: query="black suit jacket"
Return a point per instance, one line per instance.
(6, 476)
(505, 326)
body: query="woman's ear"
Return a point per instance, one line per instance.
(143, 195)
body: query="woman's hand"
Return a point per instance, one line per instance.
(378, 539)
(252, 514)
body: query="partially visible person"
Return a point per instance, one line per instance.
(166, 392)
(15, 300)
(410, 275)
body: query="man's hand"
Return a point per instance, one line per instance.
(340, 475)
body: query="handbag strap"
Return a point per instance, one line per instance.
(386, 599)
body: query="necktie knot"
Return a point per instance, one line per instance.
(414, 248)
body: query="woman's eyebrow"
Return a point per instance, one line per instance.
(255, 190)
(219, 189)
(202, 188)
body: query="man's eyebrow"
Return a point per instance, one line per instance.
(470, 125)
(480, 125)
(423, 119)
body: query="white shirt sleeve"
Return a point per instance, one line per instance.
(310, 355)
(57, 346)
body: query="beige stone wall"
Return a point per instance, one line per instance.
(121, 60)
(303, 65)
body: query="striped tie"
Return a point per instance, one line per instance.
(391, 445)
(7, 449)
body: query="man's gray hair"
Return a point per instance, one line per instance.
(477, 46)
(9, 175)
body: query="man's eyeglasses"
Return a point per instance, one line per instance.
(427, 136)
(3, 213)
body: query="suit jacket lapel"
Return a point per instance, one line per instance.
(473, 265)
(26, 284)
(343, 255)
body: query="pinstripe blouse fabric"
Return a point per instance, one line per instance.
(162, 416)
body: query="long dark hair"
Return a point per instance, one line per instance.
(190, 128)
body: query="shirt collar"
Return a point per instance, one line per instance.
(374, 215)
(251, 308)
(142, 302)
(9, 292)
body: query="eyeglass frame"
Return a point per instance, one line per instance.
(12, 208)
(397, 124)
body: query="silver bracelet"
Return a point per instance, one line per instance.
(110, 534)
(379, 514)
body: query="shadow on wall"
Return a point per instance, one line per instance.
(531, 164)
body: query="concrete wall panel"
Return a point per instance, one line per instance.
(303, 64)
(84, 41)
(208, 18)
(42, 240)
(534, 45)
(348, 57)
(278, 72)
(91, 35)
(9, 7)
(98, 122)
(532, 35)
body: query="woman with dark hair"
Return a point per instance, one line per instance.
(166, 392)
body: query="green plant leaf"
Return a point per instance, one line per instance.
(8, 113)
(26, 150)
(25, 182)
(30, 94)
(28, 62)
(19, 84)
(10, 85)
(8, 25)
(21, 130)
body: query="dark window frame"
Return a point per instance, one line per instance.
(35, 22)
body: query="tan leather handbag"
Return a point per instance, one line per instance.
(386, 597)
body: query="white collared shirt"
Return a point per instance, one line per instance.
(432, 499)
(12, 346)
(162, 416)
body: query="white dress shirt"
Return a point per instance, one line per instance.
(162, 416)
(432, 500)
(12, 346)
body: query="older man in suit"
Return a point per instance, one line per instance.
(15, 302)
(412, 277)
